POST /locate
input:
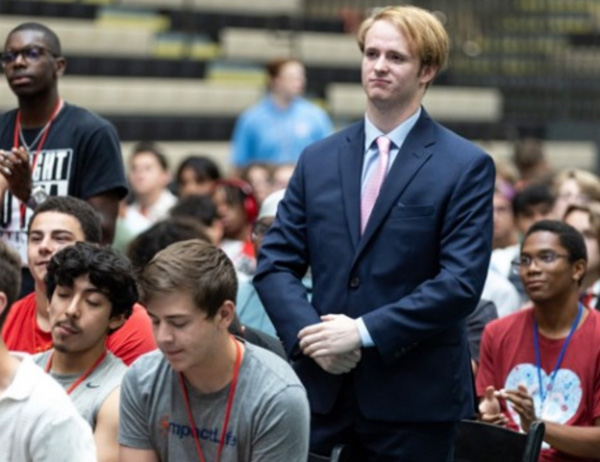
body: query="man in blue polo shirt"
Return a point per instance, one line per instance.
(280, 126)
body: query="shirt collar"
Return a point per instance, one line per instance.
(271, 103)
(396, 136)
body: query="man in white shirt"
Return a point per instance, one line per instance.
(149, 177)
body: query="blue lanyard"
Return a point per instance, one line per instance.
(536, 344)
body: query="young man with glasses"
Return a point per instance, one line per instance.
(543, 363)
(49, 147)
(249, 308)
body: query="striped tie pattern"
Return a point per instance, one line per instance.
(373, 186)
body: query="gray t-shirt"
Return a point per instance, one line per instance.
(269, 417)
(89, 396)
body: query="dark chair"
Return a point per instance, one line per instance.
(338, 454)
(483, 442)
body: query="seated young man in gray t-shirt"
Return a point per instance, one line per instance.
(38, 422)
(206, 395)
(91, 292)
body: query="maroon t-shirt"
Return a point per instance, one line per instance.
(507, 359)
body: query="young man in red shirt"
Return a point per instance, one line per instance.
(56, 224)
(543, 363)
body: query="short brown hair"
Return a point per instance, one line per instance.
(426, 35)
(194, 266)
(87, 217)
(10, 276)
(275, 66)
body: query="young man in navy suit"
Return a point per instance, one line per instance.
(394, 217)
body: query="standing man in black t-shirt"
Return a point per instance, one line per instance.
(49, 147)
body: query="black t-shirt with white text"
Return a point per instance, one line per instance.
(80, 157)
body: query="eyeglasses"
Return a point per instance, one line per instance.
(31, 54)
(542, 259)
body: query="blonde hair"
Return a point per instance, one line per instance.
(588, 183)
(506, 170)
(592, 209)
(426, 35)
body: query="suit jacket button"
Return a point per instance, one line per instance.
(354, 282)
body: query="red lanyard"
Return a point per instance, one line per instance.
(22, 206)
(236, 370)
(85, 375)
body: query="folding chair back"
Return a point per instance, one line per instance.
(482, 442)
(338, 454)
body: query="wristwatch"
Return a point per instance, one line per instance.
(38, 196)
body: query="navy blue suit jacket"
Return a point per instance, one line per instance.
(413, 276)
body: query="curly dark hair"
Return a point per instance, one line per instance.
(108, 269)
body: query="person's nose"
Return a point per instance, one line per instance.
(381, 64)
(20, 60)
(46, 246)
(73, 308)
(533, 266)
(164, 334)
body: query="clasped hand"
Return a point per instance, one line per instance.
(15, 173)
(334, 343)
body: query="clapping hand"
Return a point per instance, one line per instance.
(15, 172)
(489, 408)
(522, 403)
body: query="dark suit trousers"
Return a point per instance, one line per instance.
(377, 441)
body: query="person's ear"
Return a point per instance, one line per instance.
(226, 313)
(168, 178)
(60, 66)
(116, 322)
(427, 74)
(579, 268)
(3, 302)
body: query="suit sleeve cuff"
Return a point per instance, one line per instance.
(365, 338)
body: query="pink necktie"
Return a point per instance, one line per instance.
(374, 183)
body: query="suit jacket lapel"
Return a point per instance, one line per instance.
(415, 151)
(350, 158)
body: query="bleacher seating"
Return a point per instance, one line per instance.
(313, 48)
(156, 97)
(83, 36)
(184, 69)
(444, 103)
(268, 7)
